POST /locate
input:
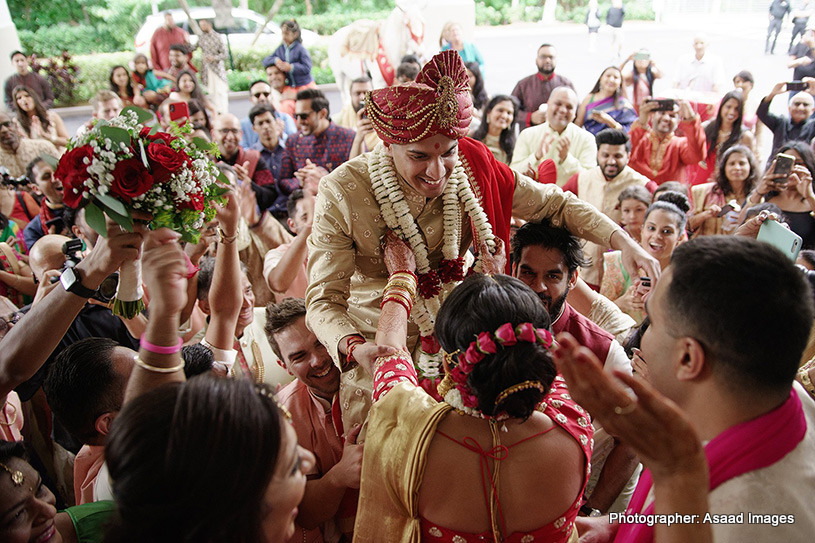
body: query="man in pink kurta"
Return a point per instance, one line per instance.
(87, 464)
(657, 152)
(331, 491)
(165, 36)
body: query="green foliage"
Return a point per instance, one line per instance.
(94, 71)
(248, 59)
(326, 24)
(61, 72)
(240, 80)
(84, 27)
(635, 10)
(501, 12)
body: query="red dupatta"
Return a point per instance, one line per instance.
(493, 185)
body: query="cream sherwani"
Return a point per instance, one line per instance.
(347, 273)
(592, 187)
(582, 150)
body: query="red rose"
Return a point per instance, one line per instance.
(164, 161)
(130, 179)
(158, 136)
(195, 202)
(73, 172)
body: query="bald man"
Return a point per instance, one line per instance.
(572, 149)
(47, 256)
(94, 320)
(797, 126)
(227, 133)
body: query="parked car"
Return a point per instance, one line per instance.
(241, 33)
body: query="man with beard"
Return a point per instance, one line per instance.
(546, 258)
(570, 147)
(656, 151)
(534, 90)
(601, 185)
(329, 503)
(352, 116)
(318, 148)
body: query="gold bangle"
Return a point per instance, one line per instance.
(155, 369)
(223, 238)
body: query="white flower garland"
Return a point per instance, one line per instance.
(396, 214)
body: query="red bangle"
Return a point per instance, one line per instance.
(158, 349)
(352, 343)
(399, 300)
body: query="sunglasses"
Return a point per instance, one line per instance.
(302, 116)
(259, 94)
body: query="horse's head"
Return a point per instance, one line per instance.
(413, 20)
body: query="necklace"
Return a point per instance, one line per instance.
(397, 216)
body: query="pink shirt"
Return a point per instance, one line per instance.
(312, 420)
(298, 286)
(11, 419)
(86, 467)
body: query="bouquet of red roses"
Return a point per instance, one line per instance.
(120, 165)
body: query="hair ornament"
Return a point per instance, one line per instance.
(17, 477)
(487, 343)
(507, 392)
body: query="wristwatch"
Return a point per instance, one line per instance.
(72, 282)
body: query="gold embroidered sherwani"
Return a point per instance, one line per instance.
(347, 273)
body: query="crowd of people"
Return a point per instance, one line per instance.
(435, 315)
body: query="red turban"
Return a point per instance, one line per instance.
(438, 102)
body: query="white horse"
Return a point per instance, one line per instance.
(358, 49)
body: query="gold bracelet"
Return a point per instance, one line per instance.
(402, 285)
(155, 369)
(226, 239)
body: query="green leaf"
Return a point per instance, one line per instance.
(141, 114)
(125, 221)
(217, 190)
(112, 203)
(201, 143)
(95, 218)
(50, 160)
(155, 130)
(223, 178)
(117, 135)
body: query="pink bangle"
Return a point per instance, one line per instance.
(158, 349)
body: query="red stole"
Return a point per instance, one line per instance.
(493, 185)
(745, 447)
(48, 214)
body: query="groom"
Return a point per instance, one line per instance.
(403, 186)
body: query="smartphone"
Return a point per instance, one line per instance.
(783, 239)
(725, 210)
(797, 86)
(642, 56)
(783, 164)
(180, 113)
(664, 104)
